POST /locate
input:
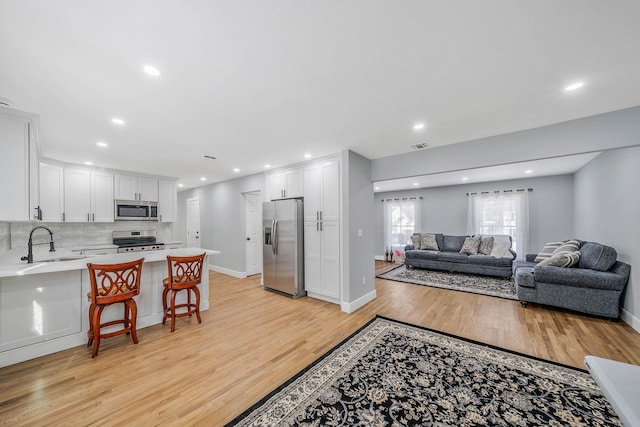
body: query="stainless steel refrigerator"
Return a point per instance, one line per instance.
(283, 247)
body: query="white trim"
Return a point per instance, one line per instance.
(323, 297)
(350, 307)
(379, 258)
(228, 272)
(630, 320)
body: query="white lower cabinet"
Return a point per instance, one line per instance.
(322, 260)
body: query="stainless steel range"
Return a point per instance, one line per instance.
(136, 241)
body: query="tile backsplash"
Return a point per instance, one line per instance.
(69, 235)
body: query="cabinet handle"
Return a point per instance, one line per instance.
(317, 215)
(317, 226)
(320, 225)
(63, 217)
(320, 215)
(93, 216)
(88, 216)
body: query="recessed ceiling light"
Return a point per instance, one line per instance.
(236, 170)
(203, 179)
(151, 70)
(574, 86)
(307, 155)
(267, 166)
(180, 185)
(377, 188)
(528, 171)
(415, 184)
(418, 126)
(88, 163)
(117, 121)
(102, 144)
(464, 178)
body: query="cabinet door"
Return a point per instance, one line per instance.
(275, 186)
(312, 193)
(293, 183)
(330, 191)
(312, 257)
(147, 189)
(77, 195)
(330, 259)
(167, 201)
(14, 169)
(51, 192)
(126, 187)
(102, 207)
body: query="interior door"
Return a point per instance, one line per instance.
(193, 223)
(253, 222)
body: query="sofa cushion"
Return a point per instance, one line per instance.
(428, 242)
(489, 261)
(422, 254)
(501, 246)
(452, 257)
(571, 245)
(547, 250)
(470, 245)
(562, 259)
(415, 239)
(596, 256)
(452, 243)
(486, 245)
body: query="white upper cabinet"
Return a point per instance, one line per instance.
(167, 201)
(88, 196)
(322, 191)
(16, 169)
(285, 184)
(131, 187)
(51, 192)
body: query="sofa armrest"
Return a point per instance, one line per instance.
(581, 277)
(408, 248)
(530, 257)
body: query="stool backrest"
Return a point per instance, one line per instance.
(185, 271)
(114, 282)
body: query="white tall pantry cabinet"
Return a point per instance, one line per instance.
(322, 230)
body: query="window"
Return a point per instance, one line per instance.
(502, 213)
(401, 220)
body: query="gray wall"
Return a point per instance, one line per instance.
(5, 236)
(357, 205)
(444, 209)
(611, 130)
(222, 218)
(607, 210)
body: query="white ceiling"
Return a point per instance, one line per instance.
(254, 82)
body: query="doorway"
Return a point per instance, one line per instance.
(193, 223)
(253, 225)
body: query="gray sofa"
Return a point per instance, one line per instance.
(449, 258)
(593, 286)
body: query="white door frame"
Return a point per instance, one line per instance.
(252, 232)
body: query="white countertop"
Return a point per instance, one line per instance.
(11, 266)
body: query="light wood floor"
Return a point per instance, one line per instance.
(251, 341)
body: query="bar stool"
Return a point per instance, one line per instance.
(185, 273)
(110, 284)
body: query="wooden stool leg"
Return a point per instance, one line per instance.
(173, 309)
(126, 320)
(133, 308)
(96, 329)
(164, 304)
(189, 300)
(197, 292)
(92, 308)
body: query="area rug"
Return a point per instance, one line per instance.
(484, 285)
(393, 374)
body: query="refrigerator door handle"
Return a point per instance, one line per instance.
(274, 240)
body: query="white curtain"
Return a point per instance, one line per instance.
(401, 220)
(501, 213)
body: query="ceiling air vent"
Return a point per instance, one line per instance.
(421, 146)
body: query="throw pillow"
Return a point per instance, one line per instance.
(572, 245)
(470, 245)
(486, 245)
(428, 242)
(415, 239)
(547, 251)
(562, 259)
(501, 246)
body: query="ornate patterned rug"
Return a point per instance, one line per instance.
(393, 374)
(485, 285)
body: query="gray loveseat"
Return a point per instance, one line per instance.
(593, 286)
(449, 258)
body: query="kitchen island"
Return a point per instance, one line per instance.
(44, 305)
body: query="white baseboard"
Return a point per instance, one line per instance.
(228, 272)
(350, 307)
(379, 257)
(630, 320)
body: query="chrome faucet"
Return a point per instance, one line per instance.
(29, 257)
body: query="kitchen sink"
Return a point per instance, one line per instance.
(63, 258)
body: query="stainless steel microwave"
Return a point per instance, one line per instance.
(136, 210)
